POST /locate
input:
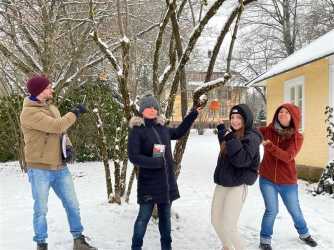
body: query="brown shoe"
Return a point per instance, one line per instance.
(42, 246)
(81, 244)
(309, 241)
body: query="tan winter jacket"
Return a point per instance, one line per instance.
(42, 127)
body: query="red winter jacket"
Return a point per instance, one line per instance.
(278, 164)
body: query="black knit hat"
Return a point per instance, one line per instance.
(238, 110)
(245, 112)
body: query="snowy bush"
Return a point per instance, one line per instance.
(84, 134)
(10, 136)
(326, 182)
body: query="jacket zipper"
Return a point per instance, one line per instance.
(163, 156)
(276, 162)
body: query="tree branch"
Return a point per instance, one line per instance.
(190, 46)
(15, 60)
(158, 43)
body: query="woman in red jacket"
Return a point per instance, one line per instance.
(282, 141)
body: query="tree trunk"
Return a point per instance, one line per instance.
(132, 177)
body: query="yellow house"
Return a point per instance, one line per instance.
(305, 78)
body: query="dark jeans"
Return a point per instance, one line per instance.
(144, 215)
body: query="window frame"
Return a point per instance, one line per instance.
(295, 83)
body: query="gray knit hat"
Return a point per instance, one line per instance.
(148, 101)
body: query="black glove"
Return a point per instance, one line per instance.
(221, 132)
(70, 155)
(221, 128)
(224, 134)
(79, 109)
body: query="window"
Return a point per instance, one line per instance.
(294, 93)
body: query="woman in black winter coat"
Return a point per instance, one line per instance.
(237, 167)
(149, 148)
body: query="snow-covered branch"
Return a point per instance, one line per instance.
(207, 86)
(158, 43)
(103, 47)
(234, 36)
(148, 29)
(15, 59)
(196, 34)
(64, 80)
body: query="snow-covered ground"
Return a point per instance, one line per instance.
(110, 226)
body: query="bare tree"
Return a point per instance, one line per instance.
(55, 38)
(171, 14)
(318, 21)
(48, 37)
(51, 38)
(270, 31)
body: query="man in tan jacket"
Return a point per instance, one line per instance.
(43, 129)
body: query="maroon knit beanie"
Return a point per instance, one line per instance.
(37, 84)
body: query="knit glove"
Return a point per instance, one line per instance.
(78, 110)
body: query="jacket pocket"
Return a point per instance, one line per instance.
(44, 145)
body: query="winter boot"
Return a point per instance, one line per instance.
(264, 246)
(42, 246)
(81, 244)
(309, 241)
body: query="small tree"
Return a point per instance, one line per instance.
(326, 182)
(102, 133)
(11, 137)
(261, 116)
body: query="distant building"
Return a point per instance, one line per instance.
(227, 96)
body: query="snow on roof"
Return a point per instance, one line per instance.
(319, 48)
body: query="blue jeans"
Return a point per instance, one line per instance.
(62, 184)
(144, 215)
(289, 195)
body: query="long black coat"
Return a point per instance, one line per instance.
(156, 180)
(241, 162)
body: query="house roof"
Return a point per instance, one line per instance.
(319, 48)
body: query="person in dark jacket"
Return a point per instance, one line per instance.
(278, 175)
(237, 167)
(149, 148)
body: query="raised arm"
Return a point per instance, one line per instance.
(48, 124)
(182, 129)
(221, 132)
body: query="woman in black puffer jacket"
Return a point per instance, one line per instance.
(149, 148)
(237, 167)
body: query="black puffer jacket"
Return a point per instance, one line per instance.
(156, 181)
(241, 162)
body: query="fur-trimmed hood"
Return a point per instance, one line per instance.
(138, 121)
